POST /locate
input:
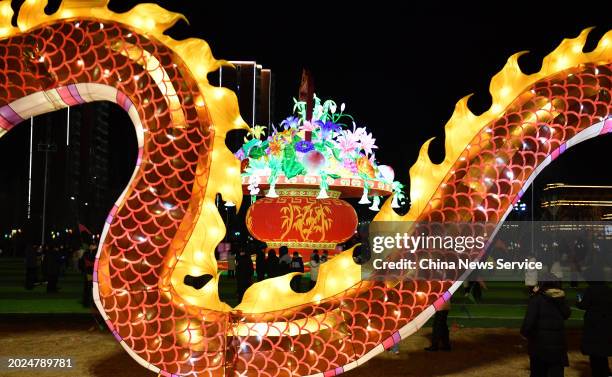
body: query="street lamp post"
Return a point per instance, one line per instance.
(46, 148)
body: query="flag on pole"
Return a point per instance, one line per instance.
(83, 229)
(307, 91)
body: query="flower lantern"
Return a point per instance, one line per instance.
(305, 169)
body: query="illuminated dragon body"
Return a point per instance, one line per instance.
(165, 225)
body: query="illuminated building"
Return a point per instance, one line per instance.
(562, 201)
(578, 208)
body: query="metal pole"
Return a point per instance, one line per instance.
(227, 224)
(533, 189)
(68, 128)
(44, 214)
(30, 168)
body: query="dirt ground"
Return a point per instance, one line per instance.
(478, 352)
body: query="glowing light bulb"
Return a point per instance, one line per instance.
(137, 21)
(505, 91)
(6, 10)
(202, 72)
(562, 61)
(496, 108)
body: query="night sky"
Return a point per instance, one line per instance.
(400, 68)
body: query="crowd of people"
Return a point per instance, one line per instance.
(543, 326)
(46, 264)
(270, 265)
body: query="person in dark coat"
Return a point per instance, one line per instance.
(324, 256)
(315, 263)
(31, 264)
(544, 328)
(260, 264)
(53, 268)
(297, 265)
(44, 251)
(596, 301)
(284, 261)
(272, 264)
(440, 335)
(244, 272)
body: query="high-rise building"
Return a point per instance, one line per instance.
(60, 179)
(254, 88)
(88, 166)
(64, 168)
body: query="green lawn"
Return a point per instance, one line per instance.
(15, 299)
(503, 303)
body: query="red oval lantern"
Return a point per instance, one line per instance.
(302, 222)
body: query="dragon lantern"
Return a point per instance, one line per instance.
(165, 225)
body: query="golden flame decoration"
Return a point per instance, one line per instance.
(463, 126)
(425, 176)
